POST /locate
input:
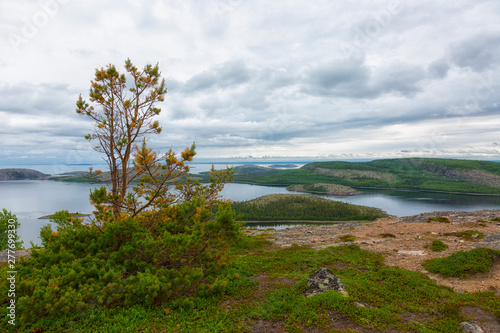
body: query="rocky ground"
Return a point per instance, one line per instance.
(406, 249)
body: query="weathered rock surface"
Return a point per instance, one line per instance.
(453, 216)
(15, 174)
(469, 327)
(323, 188)
(491, 241)
(322, 280)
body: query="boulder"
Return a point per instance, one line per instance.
(322, 280)
(469, 327)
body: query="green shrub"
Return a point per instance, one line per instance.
(387, 235)
(143, 260)
(437, 246)
(9, 238)
(462, 263)
(347, 238)
(442, 219)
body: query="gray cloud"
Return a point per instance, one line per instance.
(354, 79)
(229, 74)
(400, 78)
(438, 69)
(201, 81)
(40, 99)
(478, 52)
(339, 79)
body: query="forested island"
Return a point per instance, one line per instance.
(302, 207)
(19, 173)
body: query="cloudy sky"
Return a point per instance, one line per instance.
(284, 79)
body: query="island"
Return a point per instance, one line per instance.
(324, 188)
(303, 208)
(19, 174)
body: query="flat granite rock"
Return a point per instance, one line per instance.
(471, 327)
(323, 280)
(491, 241)
(453, 216)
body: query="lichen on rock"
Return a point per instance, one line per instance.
(323, 280)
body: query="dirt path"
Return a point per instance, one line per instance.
(406, 249)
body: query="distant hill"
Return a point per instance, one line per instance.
(16, 174)
(85, 177)
(427, 174)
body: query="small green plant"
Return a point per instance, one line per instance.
(442, 219)
(462, 263)
(495, 219)
(482, 223)
(436, 246)
(469, 235)
(347, 238)
(387, 235)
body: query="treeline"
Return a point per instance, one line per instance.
(302, 207)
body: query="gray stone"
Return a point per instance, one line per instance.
(491, 241)
(322, 280)
(359, 305)
(469, 327)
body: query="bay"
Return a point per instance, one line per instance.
(31, 199)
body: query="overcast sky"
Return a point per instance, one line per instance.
(311, 79)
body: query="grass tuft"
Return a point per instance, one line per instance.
(442, 219)
(347, 238)
(437, 246)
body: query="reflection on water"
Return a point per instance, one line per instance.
(274, 225)
(31, 199)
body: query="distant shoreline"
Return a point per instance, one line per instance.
(48, 217)
(425, 175)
